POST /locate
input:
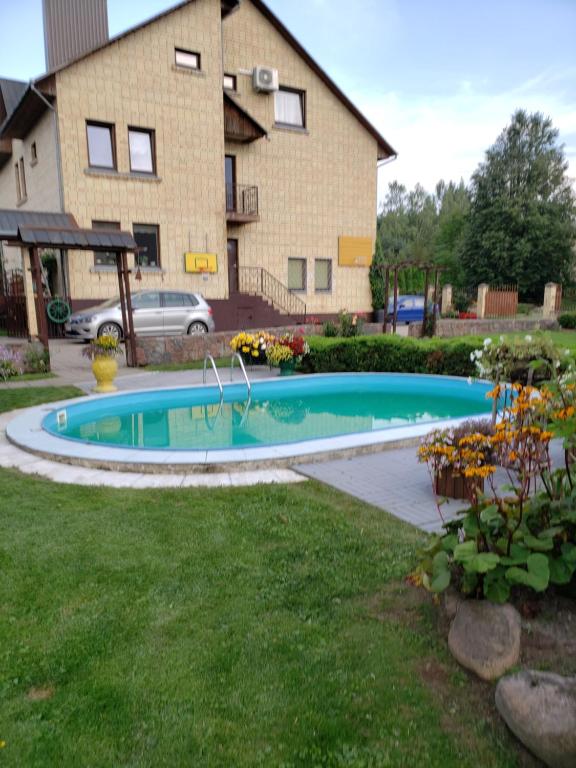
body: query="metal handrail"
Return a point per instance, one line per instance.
(236, 356)
(259, 280)
(208, 357)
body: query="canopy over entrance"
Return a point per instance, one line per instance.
(37, 230)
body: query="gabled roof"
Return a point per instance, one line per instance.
(384, 149)
(227, 6)
(11, 91)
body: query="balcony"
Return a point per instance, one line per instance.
(241, 203)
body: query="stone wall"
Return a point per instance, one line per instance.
(160, 350)
(447, 328)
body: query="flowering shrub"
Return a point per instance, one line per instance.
(10, 363)
(288, 347)
(524, 360)
(278, 353)
(251, 346)
(514, 537)
(103, 346)
(466, 450)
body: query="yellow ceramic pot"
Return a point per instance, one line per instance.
(104, 369)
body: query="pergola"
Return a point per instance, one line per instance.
(429, 270)
(37, 231)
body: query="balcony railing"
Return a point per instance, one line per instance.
(260, 282)
(241, 203)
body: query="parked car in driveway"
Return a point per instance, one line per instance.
(155, 313)
(410, 309)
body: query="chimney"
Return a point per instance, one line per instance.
(73, 27)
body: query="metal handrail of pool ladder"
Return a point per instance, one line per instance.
(208, 357)
(236, 356)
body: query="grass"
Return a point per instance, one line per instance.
(25, 397)
(266, 626)
(191, 365)
(34, 377)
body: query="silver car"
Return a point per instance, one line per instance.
(156, 313)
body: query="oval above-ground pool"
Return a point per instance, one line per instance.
(283, 420)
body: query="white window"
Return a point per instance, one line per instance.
(141, 144)
(290, 107)
(187, 59)
(230, 82)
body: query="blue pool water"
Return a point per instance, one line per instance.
(284, 410)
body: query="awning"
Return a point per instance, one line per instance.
(11, 221)
(77, 239)
(38, 229)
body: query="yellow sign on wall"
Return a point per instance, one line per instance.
(354, 251)
(201, 262)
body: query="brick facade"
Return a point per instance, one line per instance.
(315, 185)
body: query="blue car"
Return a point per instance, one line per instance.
(410, 309)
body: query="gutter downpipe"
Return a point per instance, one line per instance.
(58, 150)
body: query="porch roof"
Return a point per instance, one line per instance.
(35, 229)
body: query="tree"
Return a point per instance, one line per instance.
(522, 222)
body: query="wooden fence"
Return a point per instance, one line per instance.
(501, 301)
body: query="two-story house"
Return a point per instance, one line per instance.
(208, 131)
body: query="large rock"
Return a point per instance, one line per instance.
(540, 709)
(485, 637)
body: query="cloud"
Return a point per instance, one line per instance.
(445, 137)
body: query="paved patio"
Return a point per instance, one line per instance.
(395, 481)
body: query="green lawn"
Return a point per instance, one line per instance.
(266, 626)
(25, 397)
(191, 365)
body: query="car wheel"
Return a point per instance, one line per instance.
(197, 327)
(110, 329)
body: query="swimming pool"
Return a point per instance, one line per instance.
(278, 412)
(285, 421)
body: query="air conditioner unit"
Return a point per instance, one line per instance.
(265, 80)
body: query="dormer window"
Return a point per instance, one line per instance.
(187, 59)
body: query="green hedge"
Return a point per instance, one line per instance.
(390, 353)
(567, 320)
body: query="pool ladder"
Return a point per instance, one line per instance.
(210, 359)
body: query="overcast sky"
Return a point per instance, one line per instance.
(438, 78)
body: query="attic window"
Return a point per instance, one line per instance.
(230, 82)
(187, 59)
(290, 108)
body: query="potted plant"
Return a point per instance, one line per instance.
(456, 458)
(252, 346)
(286, 352)
(103, 352)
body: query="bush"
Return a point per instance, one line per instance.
(567, 320)
(36, 359)
(450, 357)
(330, 329)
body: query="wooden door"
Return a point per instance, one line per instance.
(232, 266)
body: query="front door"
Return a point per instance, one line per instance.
(230, 179)
(148, 314)
(232, 266)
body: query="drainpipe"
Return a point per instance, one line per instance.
(57, 136)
